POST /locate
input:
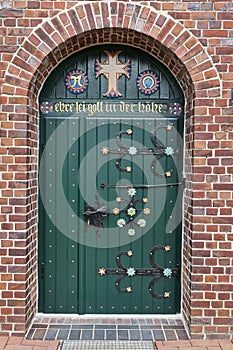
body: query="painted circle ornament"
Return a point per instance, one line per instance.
(175, 108)
(148, 82)
(76, 81)
(46, 107)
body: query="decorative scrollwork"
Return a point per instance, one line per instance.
(156, 272)
(158, 151)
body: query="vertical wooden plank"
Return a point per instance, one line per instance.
(50, 229)
(82, 224)
(72, 225)
(61, 237)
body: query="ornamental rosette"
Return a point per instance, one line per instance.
(105, 150)
(141, 223)
(131, 211)
(131, 272)
(169, 151)
(146, 211)
(131, 232)
(121, 222)
(116, 211)
(131, 192)
(132, 151)
(102, 271)
(167, 272)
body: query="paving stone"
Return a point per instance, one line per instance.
(110, 334)
(99, 334)
(86, 334)
(123, 335)
(134, 335)
(63, 334)
(75, 334)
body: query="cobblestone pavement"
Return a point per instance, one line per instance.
(195, 345)
(18, 343)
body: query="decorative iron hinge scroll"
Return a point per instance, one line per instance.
(156, 272)
(158, 151)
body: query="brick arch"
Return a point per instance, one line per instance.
(84, 25)
(117, 22)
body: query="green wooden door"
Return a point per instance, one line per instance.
(111, 130)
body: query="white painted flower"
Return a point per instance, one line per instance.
(169, 151)
(131, 272)
(131, 232)
(141, 223)
(132, 150)
(121, 222)
(167, 272)
(131, 211)
(131, 192)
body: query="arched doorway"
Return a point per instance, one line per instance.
(111, 131)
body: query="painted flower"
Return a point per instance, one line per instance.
(118, 199)
(146, 211)
(128, 289)
(145, 200)
(130, 253)
(116, 211)
(129, 131)
(132, 151)
(167, 272)
(169, 151)
(128, 169)
(131, 272)
(131, 211)
(131, 192)
(121, 222)
(141, 223)
(131, 232)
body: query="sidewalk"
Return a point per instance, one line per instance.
(195, 345)
(18, 343)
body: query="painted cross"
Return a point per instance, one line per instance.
(155, 272)
(112, 69)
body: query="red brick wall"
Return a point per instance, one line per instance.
(195, 40)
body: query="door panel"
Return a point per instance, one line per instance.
(85, 262)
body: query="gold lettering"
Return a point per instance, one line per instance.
(71, 107)
(122, 106)
(140, 107)
(56, 107)
(112, 107)
(160, 107)
(154, 107)
(100, 107)
(90, 108)
(80, 107)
